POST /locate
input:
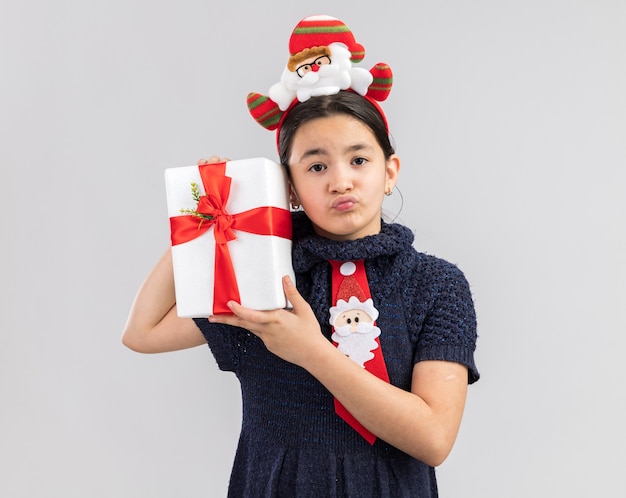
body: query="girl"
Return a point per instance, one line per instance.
(294, 379)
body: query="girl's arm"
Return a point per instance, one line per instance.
(423, 423)
(152, 325)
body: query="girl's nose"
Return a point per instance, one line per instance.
(340, 181)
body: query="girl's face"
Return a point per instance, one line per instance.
(339, 175)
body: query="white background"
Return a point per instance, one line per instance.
(510, 119)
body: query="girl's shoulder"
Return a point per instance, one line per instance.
(436, 265)
(437, 274)
(413, 260)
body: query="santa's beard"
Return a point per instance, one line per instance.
(357, 345)
(326, 73)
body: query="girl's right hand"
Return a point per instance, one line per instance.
(212, 160)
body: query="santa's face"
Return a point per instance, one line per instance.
(320, 73)
(353, 321)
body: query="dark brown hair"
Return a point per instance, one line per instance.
(344, 102)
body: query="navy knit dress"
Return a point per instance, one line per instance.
(292, 444)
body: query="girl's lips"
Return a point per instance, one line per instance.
(343, 203)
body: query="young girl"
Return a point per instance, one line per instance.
(359, 389)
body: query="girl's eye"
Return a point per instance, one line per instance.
(359, 161)
(317, 168)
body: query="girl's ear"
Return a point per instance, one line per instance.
(293, 197)
(392, 170)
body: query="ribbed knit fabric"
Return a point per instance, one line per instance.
(292, 443)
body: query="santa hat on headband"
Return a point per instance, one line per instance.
(321, 31)
(312, 36)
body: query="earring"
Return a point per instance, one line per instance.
(387, 193)
(293, 199)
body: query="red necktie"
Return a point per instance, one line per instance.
(353, 317)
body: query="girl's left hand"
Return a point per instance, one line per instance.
(293, 335)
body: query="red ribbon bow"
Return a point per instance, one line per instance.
(268, 220)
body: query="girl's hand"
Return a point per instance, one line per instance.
(212, 160)
(294, 336)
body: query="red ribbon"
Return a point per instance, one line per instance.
(268, 220)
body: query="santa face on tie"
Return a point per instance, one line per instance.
(355, 331)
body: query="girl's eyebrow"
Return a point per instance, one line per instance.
(319, 151)
(358, 147)
(312, 152)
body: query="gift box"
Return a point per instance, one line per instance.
(231, 235)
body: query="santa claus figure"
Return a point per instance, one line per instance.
(354, 320)
(322, 53)
(319, 71)
(355, 331)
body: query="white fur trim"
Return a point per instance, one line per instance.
(347, 268)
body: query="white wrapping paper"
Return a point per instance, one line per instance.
(259, 261)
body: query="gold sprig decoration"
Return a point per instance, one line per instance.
(194, 212)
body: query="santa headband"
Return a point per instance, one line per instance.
(322, 53)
